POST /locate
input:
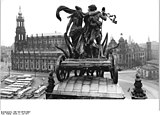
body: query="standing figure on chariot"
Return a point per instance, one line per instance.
(93, 28)
(76, 30)
(76, 20)
(83, 38)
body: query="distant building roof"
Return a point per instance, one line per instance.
(57, 51)
(47, 34)
(121, 39)
(143, 45)
(112, 43)
(155, 62)
(149, 67)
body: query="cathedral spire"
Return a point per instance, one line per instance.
(19, 8)
(148, 39)
(129, 40)
(20, 32)
(20, 13)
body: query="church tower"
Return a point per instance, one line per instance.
(149, 56)
(129, 40)
(20, 32)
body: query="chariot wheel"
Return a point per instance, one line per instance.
(111, 72)
(114, 75)
(61, 73)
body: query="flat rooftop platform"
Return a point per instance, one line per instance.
(87, 87)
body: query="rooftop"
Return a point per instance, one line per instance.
(149, 67)
(155, 62)
(47, 34)
(44, 52)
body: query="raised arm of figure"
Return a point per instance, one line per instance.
(91, 13)
(103, 17)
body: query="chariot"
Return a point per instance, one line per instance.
(81, 68)
(84, 38)
(65, 67)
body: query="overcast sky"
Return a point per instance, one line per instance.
(136, 18)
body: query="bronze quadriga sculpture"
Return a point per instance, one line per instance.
(86, 54)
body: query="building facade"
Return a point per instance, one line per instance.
(150, 70)
(128, 55)
(5, 54)
(35, 53)
(149, 51)
(155, 50)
